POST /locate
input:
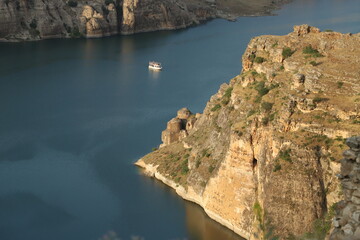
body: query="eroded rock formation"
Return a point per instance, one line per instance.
(263, 156)
(41, 19)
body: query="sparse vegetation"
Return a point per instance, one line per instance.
(251, 112)
(216, 107)
(339, 84)
(228, 92)
(259, 60)
(321, 226)
(265, 120)
(287, 52)
(320, 99)
(285, 155)
(311, 51)
(261, 88)
(313, 63)
(154, 149)
(267, 106)
(277, 167)
(252, 57)
(211, 168)
(184, 167)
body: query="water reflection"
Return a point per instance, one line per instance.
(154, 76)
(200, 226)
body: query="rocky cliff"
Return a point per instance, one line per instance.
(263, 156)
(347, 219)
(41, 19)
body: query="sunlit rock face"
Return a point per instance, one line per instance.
(41, 19)
(263, 156)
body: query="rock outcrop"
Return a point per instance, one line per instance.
(263, 156)
(347, 220)
(41, 19)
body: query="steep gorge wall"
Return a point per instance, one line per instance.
(262, 158)
(41, 19)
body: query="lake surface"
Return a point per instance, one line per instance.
(76, 114)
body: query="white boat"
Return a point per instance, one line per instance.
(155, 65)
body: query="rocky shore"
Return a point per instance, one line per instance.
(263, 158)
(42, 19)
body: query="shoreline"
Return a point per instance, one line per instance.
(219, 13)
(188, 195)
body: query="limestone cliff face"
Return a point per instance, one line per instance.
(41, 19)
(262, 158)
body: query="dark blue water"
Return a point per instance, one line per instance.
(76, 114)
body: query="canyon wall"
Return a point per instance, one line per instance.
(42, 19)
(263, 156)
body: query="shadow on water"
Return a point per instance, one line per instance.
(31, 214)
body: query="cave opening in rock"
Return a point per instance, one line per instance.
(254, 163)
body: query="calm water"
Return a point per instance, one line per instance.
(76, 114)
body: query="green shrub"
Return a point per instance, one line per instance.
(216, 107)
(282, 67)
(228, 92)
(252, 57)
(261, 89)
(258, 211)
(319, 99)
(72, 3)
(313, 63)
(154, 149)
(225, 101)
(211, 168)
(251, 112)
(259, 60)
(328, 30)
(184, 167)
(254, 73)
(265, 120)
(340, 84)
(277, 167)
(267, 106)
(287, 52)
(285, 155)
(311, 51)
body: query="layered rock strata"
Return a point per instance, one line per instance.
(263, 156)
(41, 19)
(347, 220)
